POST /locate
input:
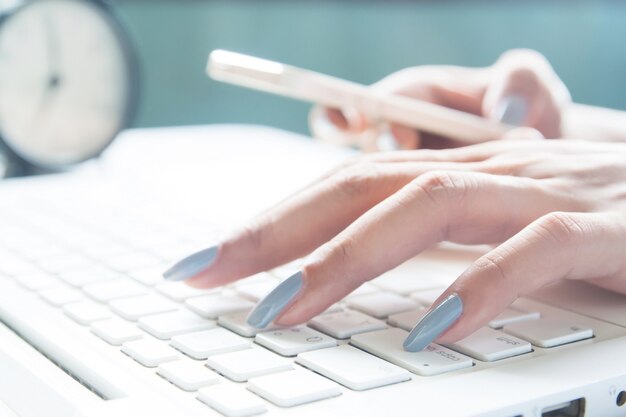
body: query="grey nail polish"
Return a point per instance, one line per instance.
(191, 265)
(438, 320)
(268, 308)
(512, 110)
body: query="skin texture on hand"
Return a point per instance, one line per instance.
(554, 209)
(521, 89)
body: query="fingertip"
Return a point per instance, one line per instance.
(406, 137)
(348, 119)
(512, 109)
(272, 307)
(192, 265)
(433, 324)
(337, 118)
(357, 123)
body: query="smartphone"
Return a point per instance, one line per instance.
(314, 87)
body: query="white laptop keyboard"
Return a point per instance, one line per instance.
(101, 265)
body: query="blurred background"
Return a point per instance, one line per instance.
(362, 41)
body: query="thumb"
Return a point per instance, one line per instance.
(525, 91)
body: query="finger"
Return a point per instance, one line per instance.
(337, 118)
(455, 87)
(303, 222)
(406, 137)
(526, 133)
(556, 246)
(348, 119)
(463, 207)
(525, 91)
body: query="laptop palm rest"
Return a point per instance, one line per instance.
(586, 299)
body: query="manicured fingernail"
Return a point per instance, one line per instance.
(191, 265)
(433, 324)
(268, 308)
(512, 110)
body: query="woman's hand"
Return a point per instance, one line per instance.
(520, 89)
(556, 209)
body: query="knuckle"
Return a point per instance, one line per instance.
(443, 186)
(257, 234)
(494, 265)
(357, 179)
(564, 228)
(336, 257)
(524, 59)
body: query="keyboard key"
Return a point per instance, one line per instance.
(249, 363)
(412, 276)
(548, 333)
(407, 320)
(365, 289)
(381, 304)
(237, 323)
(512, 315)
(135, 308)
(335, 308)
(290, 342)
(81, 277)
(172, 251)
(166, 325)
(112, 290)
(116, 331)
(86, 312)
(491, 345)
(214, 305)
(130, 261)
(434, 360)
(179, 291)
(353, 368)
(105, 250)
(345, 324)
(427, 298)
(147, 276)
(149, 352)
(59, 296)
(288, 389)
(201, 345)
(231, 400)
(64, 263)
(255, 291)
(12, 265)
(36, 281)
(187, 375)
(288, 269)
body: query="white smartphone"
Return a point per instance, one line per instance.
(290, 81)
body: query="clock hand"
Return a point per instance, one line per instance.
(53, 77)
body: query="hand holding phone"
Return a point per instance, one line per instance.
(290, 81)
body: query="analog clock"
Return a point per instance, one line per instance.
(68, 81)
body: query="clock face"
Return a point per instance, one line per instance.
(66, 81)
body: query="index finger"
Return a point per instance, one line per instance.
(465, 207)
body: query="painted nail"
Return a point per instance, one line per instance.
(268, 308)
(512, 110)
(191, 265)
(433, 324)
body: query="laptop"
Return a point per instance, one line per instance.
(89, 328)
